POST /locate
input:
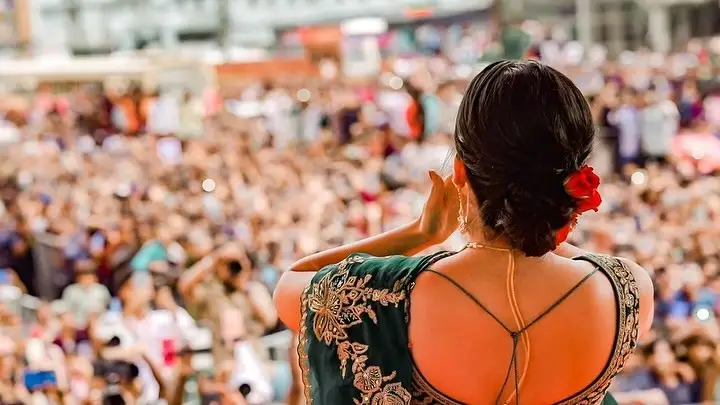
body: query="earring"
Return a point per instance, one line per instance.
(462, 216)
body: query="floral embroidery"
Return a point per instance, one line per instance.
(338, 301)
(392, 394)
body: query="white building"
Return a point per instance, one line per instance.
(99, 24)
(629, 24)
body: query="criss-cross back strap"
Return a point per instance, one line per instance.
(515, 335)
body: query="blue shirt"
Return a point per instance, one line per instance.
(681, 306)
(152, 251)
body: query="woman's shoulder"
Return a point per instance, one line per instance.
(646, 293)
(632, 283)
(349, 311)
(390, 271)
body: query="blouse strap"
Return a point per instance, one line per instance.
(627, 301)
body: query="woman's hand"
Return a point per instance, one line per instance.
(439, 218)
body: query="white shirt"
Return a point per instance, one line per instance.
(659, 124)
(150, 331)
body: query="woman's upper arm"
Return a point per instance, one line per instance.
(647, 295)
(288, 293)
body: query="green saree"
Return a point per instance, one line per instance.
(354, 349)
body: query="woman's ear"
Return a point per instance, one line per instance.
(459, 173)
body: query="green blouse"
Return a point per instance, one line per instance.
(354, 346)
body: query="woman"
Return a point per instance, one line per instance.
(505, 320)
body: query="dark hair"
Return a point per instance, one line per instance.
(522, 128)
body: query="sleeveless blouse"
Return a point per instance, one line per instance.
(354, 344)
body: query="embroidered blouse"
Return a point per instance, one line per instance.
(354, 345)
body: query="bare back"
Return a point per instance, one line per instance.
(464, 353)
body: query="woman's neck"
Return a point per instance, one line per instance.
(479, 237)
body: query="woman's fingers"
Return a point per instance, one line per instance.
(435, 177)
(449, 190)
(437, 186)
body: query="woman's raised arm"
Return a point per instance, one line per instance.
(437, 222)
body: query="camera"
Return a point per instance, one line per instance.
(115, 374)
(235, 267)
(245, 390)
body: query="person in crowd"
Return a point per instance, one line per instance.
(348, 117)
(87, 297)
(627, 120)
(449, 102)
(415, 113)
(635, 383)
(690, 103)
(700, 353)
(220, 288)
(139, 327)
(711, 106)
(677, 380)
(660, 123)
(70, 338)
(45, 325)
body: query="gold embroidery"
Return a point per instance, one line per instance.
(302, 348)
(338, 301)
(425, 394)
(392, 394)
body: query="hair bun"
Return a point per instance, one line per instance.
(529, 219)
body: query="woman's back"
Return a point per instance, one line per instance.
(511, 318)
(456, 344)
(394, 330)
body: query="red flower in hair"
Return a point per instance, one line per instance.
(581, 185)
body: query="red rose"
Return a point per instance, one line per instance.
(582, 183)
(582, 186)
(589, 203)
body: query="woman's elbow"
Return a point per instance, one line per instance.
(287, 310)
(287, 297)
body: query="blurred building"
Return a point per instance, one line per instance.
(14, 25)
(96, 26)
(626, 24)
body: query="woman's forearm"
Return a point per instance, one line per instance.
(405, 240)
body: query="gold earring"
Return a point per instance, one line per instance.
(462, 217)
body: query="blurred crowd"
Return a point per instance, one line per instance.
(142, 231)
